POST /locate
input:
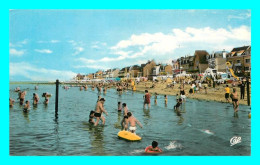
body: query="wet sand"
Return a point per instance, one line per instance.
(213, 94)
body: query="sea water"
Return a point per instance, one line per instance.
(205, 127)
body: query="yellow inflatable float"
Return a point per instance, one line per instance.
(128, 136)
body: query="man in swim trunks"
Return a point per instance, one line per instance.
(132, 120)
(154, 147)
(227, 92)
(147, 97)
(99, 110)
(125, 117)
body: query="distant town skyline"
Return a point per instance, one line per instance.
(47, 45)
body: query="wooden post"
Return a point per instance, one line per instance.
(57, 99)
(248, 94)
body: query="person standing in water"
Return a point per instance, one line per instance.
(22, 96)
(165, 100)
(35, 99)
(26, 106)
(99, 110)
(147, 100)
(11, 102)
(132, 121)
(125, 117)
(235, 102)
(155, 98)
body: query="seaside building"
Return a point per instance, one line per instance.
(240, 58)
(134, 70)
(147, 69)
(200, 61)
(124, 73)
(217, 60)
(114, 73)
(98, 74)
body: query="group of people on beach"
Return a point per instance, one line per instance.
(21, 98)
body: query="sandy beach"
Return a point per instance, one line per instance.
(213, 94)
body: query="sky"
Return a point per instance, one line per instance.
(45, 45)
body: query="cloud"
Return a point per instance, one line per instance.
(98, 45)
(102, 67)
(178, 42)
(38, 74)
(15, 52)
(51, 41)
(19, 44)
(47, 51)
(54, 41)
(78, 50)
(77, 46)
(240, 16)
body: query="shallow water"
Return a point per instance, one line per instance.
(205, 128)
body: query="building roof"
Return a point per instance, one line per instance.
(135, 67)
(240, 48)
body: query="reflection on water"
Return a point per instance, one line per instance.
(203, 128)
(97, 140)
(26, 116)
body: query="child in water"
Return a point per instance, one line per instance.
(119, 106)
(153, 148)
(91, 116)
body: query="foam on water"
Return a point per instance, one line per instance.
(207, 131)
(137, 151)
(173, 145)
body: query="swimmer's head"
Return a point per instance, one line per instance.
(146, 91)
(129, 114)
(119, 102)
(102, 99)
(226, 85)
(154, 144)
(124, 104)
(92, 112)
(180, 99)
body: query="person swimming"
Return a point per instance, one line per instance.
(153, 148)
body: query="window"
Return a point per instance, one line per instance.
(238, 61)
(246, 68)
(247, 60)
